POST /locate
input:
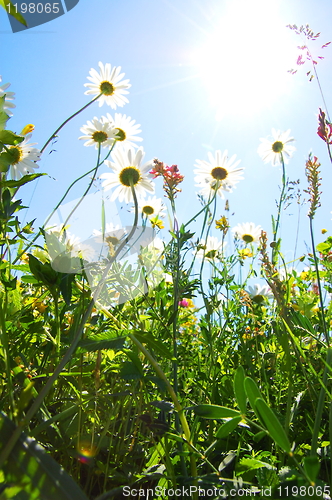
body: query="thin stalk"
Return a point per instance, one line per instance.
(318, 281)
(281, 200)
(177, 405)
(57, 206)
(86, 191)
(320, 404)
(5, 349)
(66, 121)
(67, 356)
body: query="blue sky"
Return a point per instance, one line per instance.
(205, 75)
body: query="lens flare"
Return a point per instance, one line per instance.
(86, 451)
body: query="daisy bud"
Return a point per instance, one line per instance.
(27, 129)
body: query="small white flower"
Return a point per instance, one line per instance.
(24, 158)
(65, 249)
(9, 97)
(113, 234)
(98, 133)
(259, 293)
(247, 232)
(151, 207)
(108, 82)
(125, 129)
(279, 147)
(286, 273)
(219, 174)
(127, 170)
(211, 248)
(157, 245)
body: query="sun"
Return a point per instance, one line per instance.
(245, 59)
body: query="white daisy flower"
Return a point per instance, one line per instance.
(61, 243)
(168, 278)
(286, 273)
(109, 227)
(24, 158)
(259, 293)
(211, 248)
(247, 232)
(271, 151)
(113, 234)
(108, 82)
(98, 132)
(151, 207)
(125, 129)
(157, 245)
(127, 168)
(9, 97)
(220, 173)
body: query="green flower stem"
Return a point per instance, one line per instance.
(5, 349)
(177, 405)
(66, 121)
(322, 394)
(281, 201)
(320, 405)
(329, 151)
(45, 390)
(214, 198)
(67, 356)
(87, 189)
(57, 206)
(202, 210)
(318, 282)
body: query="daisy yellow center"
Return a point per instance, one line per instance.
(219, 173)
(107, 88)
(147, 210)
(277, 147)
(120, 135)
(247, 238)
(129, 174)
(258, 299)
(99, 136)
(113, 240)
(17, 154)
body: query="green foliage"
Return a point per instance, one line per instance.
(32, 472)
(3, 115)
(155, 390)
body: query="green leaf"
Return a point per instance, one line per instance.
(154, 344)
(10, 138)
(99, 342)
(228, 427)
(214, 411)
(174, 437)
(252, 392)
(12, 11)
(323, 247)
(43, 272)
(311, 466)
(247, 464)
(129, 371)
(66, 287)
(29, 279)
(239, 391)
(34, 471)
(273, 425)
(20, 182)
(3, 115)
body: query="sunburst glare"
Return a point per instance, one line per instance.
(245, 60)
